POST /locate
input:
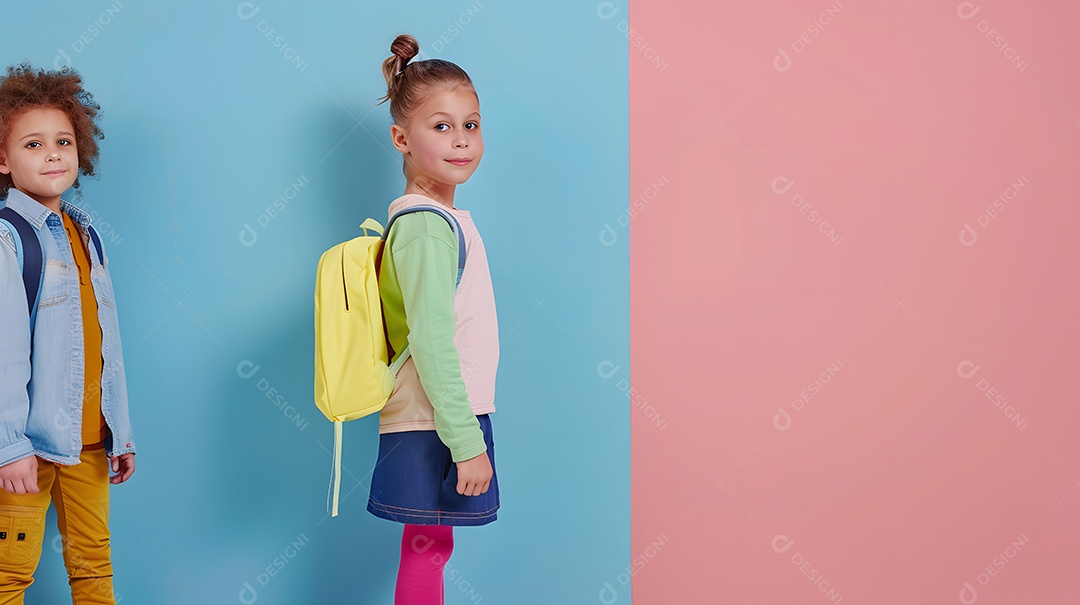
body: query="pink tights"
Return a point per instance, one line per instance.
(425, 550)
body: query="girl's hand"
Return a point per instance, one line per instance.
(20, 477)
(123, 465)
(474, 475)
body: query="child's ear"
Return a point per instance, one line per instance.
(3, 162)
(397, 136)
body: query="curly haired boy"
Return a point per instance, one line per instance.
(63, 397)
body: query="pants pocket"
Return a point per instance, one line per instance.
(21, 533)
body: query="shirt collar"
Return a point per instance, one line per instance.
(77, 214)
(409, 200)
(36, 213)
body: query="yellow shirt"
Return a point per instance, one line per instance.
(94, 429)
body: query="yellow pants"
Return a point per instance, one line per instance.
(81, 495)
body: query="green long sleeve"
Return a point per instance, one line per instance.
(417, 288)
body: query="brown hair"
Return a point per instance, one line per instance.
(23, 89)
(407, 84)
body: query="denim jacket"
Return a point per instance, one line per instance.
(41, 393)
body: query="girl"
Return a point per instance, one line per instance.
(436, 455)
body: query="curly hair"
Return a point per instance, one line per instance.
(23, 89)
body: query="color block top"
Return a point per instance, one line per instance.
(453, 338)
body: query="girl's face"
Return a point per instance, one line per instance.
(442, 140)
(40, 154)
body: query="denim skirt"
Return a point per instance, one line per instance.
(415, 481)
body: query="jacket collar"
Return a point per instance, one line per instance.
(36, 214)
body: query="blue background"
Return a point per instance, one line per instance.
(208, 122)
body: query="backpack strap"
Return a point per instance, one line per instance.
(456, 228)
(28, 251)
(336, 486)
(97, 244)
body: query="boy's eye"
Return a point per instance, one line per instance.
(474, 125)
(437, 126)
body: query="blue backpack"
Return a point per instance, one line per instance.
(31, 259)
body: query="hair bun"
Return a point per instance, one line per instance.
(405, 88)
(404, 47)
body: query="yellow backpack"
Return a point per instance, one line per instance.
(353, 375)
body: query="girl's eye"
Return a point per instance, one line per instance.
(64, 142)
(33, 145)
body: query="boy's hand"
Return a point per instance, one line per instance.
(474, 475)
(20, 477)
(123, 465)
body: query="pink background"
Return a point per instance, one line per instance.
(899, 481)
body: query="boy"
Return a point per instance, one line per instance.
(63, 409)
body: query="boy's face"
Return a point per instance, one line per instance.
(40, 154)
(445, 128)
